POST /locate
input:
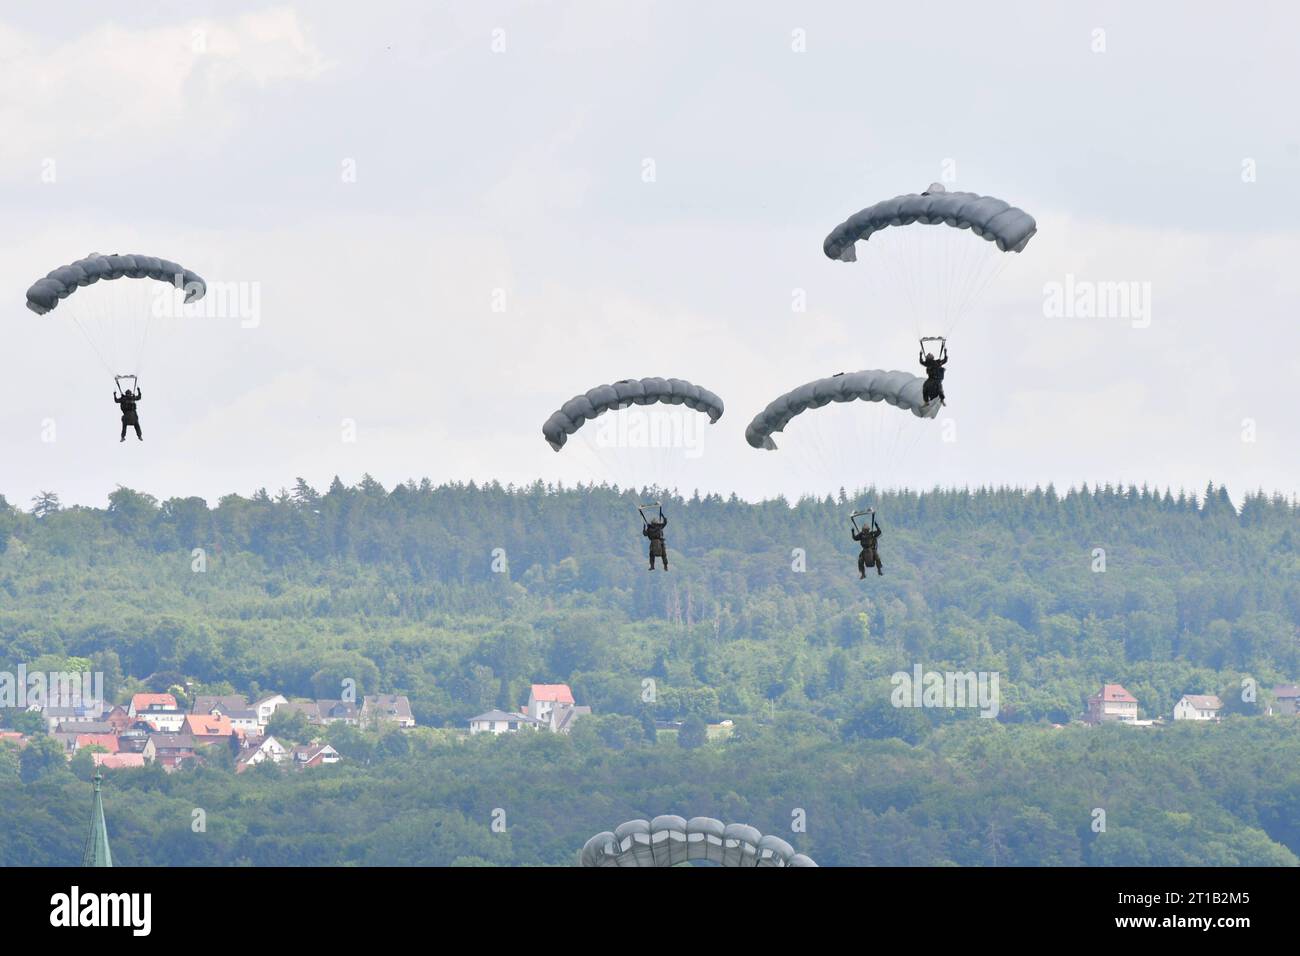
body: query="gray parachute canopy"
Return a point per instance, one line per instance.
(45, 293)
(670, 840)
(989, 218)
(646, 391)
(901, 389)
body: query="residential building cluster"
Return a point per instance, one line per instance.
(155, 729)
(550, 707)
(1114, 704)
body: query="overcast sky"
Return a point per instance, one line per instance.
(456, 216)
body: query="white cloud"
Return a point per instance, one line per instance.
(114, 89)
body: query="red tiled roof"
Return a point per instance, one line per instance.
(113, 761)
(1116, 692)
(207, 725)
(559, 693)
(140, 701)
(107, 741)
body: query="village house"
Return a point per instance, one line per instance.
(160, 711)
(266, 748)
(107, 741)
(118, 761)
(499, 722)
(1198, 707)
(208, 729)
(314, 755)
(386, 707)
(1285, 698)
(267, 706)
(134, 737)
(169, 750)
(141, 702)
(323, 711)
(67, 740)
(235, 707)
(87, 727)
(119, 719)
(552, 705)
(1112, 703)
(57, 717)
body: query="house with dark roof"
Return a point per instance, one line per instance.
(169, 750)
(1285, 698)
(314, 755)
(88, 727)
(259, 751)
(85, 713)
(322, 711)
(386, 707)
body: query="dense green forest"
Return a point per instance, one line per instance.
(461, 596)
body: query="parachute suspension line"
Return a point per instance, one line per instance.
(960, 268)
(144, 338)
(76, 320)
(976, 292)
(893, 259)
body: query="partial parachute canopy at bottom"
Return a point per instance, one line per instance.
(669, 840)
(581, 409)
(900, 389)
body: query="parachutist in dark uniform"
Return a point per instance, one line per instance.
(933, 387)
(870, 554)
(127, 402)
(654, 530)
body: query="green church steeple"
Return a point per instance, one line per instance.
(97, 852)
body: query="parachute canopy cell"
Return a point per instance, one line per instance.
(900, 389)
(45, 293)
(580, 409)
(993, 219)
(671, 840)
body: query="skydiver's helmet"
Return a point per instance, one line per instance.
(929, 356)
